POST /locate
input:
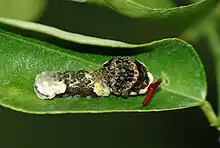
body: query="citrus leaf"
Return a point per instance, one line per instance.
(73, 37)
(156, 3)
(173, 60)
(140, 22)
(141, 9)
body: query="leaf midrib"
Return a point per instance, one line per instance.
(181, 94)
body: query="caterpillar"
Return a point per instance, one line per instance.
(120, 76)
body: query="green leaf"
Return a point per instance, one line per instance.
(143, 23)
(22, 9)
(156, 3)
(137, 24)
(173, 60)
(141, 9)
(149, 3)
(73, 37)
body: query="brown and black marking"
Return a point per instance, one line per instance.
(79, 83)
(121, 76)
(125, 75)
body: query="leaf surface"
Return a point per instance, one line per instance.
(141, 9)
(22, 58)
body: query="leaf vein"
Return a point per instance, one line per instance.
(181, 94)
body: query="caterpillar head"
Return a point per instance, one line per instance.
(127, 76)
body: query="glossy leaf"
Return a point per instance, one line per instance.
(136, 21)
(173, 60)
(148, 3)
(73, 37)
(141, 9)
(156, 3)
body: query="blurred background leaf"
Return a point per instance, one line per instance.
(148, 3)
(156, 3)
(208, 28)
(22, 9)
(124, 21)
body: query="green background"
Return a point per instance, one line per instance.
(174, 129)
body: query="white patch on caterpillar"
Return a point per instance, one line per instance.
(88, 76)
(47, 87)
(133, 93)
(143, 91)
(106, 91)
(151, 79)
(101, 89)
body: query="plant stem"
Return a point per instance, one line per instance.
(214, 41)
(218, 82)
(208, 28)
(210, 114)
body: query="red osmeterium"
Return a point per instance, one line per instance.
(150, 91)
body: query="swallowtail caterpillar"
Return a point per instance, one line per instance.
(120, 76)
